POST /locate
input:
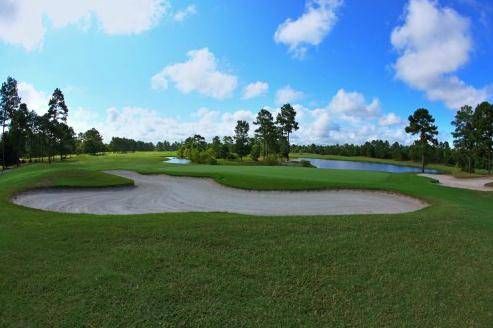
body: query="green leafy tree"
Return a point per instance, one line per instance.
(57, 115)
(92, 142)
(421, 123)
(9, 103)
(464, 135)
(228, 147)
(266, 132)
(241, 138)
(483, 124)
(255, 151)
(57, 109)
(216, 146)
(18, 130)
(286, 119)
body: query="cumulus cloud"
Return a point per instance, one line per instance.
(389, 119)
(150, 125)
(433, 43)
(349, 118)
(323, 125)
(200, 73)
(35, 99)
(24, 22)
(310, 29)
(351, 106)
(287, 95)
(186, 12)
(255, 89)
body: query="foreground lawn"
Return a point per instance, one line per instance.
(429, 268)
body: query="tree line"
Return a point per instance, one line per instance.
(123, 145)
(472, 141)
(382, 149)
(28, 136)
(25, 134)
(271, 141)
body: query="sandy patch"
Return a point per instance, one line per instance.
(163, 193)
(471, 183)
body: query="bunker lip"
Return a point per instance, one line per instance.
(171, 194)
(478, 184)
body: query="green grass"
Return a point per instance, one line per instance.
(429, 268)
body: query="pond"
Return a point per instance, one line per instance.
(364, 166)
(176, 160)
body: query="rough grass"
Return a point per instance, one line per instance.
(428, 268)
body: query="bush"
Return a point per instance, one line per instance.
(255, 152)
(305, 163)
(271, 161)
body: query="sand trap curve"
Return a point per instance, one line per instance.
(469, 183)
(163, 193)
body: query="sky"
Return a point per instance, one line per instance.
(166, 69)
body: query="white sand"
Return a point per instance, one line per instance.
(469, 183)
(163, 193)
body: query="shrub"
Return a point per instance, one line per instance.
(255, 152)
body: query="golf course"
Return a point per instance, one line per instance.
(430, 267)
(214, 163)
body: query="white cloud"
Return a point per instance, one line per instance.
(199, 73)
(311, 28)
(433, 43)
(319, 125)
(389, 119)
(25, 22)
(255, 89)
(352, 106)
(188, 11)
(33, 98)
(349, 118)
(149, 125)
(287, 95)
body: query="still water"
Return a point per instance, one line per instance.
(364, 166)
(176, 160)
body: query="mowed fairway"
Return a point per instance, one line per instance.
(433, 267)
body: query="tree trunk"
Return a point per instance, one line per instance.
(3, 146)
(287, 154)
(423, 159)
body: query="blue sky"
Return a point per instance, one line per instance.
(164, 69)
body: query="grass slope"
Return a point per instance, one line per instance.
(428, 268)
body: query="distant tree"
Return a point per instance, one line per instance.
(32, 145)
(57, 116)
(57, 109)
(286, 119)
(92, 142)
(19, 130)
(255, 151)
(266, 132)
(464, 135)
(241, 138)
(422, 123)
(9, 103)
(196, 142)
(216, 146)
(228, 148)
(483, 124)
(67, 143)
(283, 145)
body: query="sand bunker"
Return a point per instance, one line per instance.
(470, 183)
(163, 193)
